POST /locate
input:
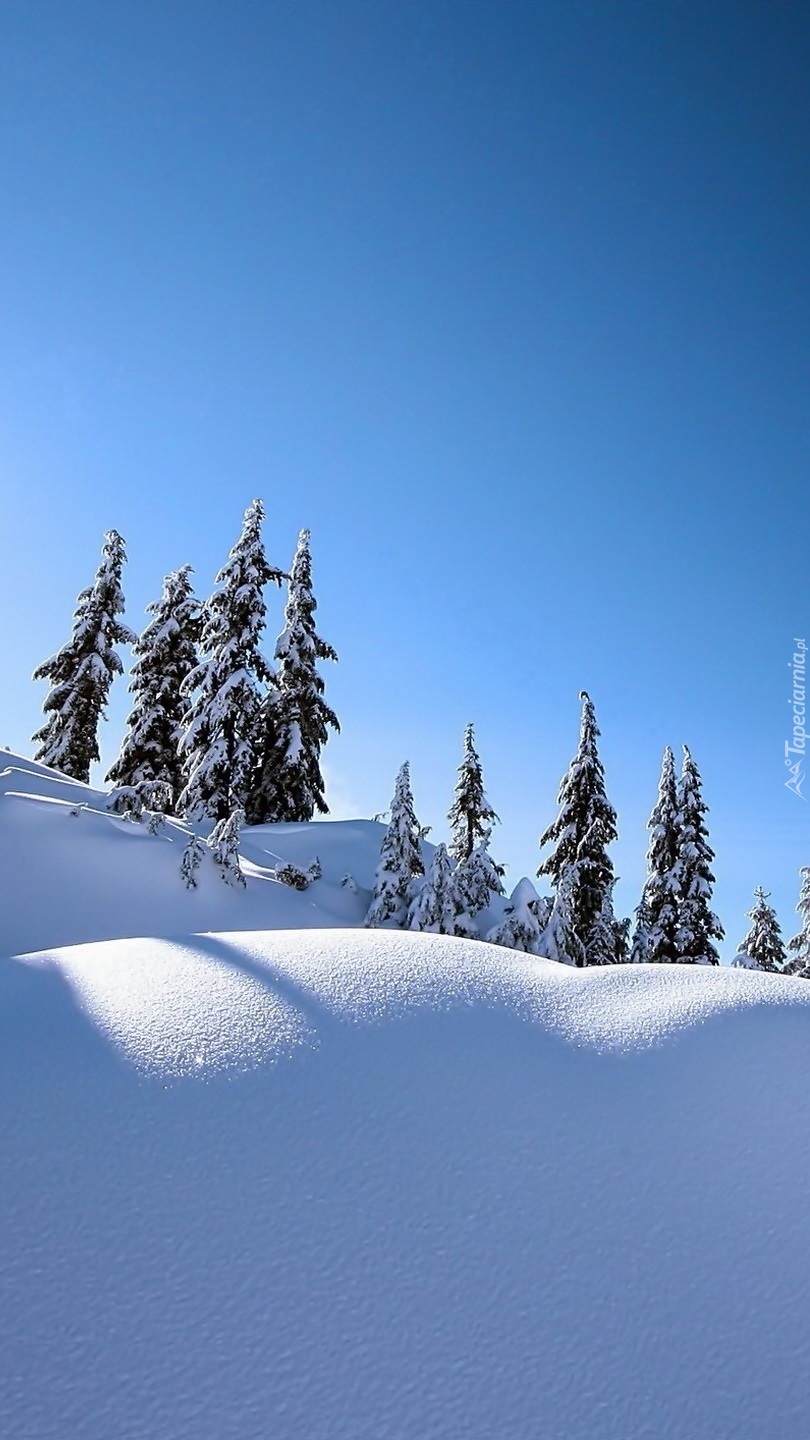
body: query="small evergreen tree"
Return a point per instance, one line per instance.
(763, 944)
(661, 888)
(799, 945)
(434, 906)
(640, 947)
(192, 860)
(295, 716)
(82, 672)
(220, 743)
(400, 858)
(223, 843)
(697, 925)
(620, 930)
(584, 827)
(149, 765)
(471, 816)
(524, 920)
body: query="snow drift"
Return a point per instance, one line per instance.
(354, 1185)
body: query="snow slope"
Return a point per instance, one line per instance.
(352, 1185)
(73, 872)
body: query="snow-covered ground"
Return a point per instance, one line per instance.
(74, 872)
(354, 1185)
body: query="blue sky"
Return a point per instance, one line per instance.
(508, 302)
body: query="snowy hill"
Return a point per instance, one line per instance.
(323, 1183)
(74, 872)
(358, 1184)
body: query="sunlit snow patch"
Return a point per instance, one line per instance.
(176, 1010)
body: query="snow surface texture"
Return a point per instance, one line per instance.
(330, 1184)
(360, 1185)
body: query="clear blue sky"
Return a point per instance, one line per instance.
(507, 301)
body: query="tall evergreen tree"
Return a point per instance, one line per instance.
(434, 907)
(584, 827)
(799, 945)
(220, 743)
(82, 672)
(149, 765)
(763, 944)
(400, 858)
(471, 816)
(697, 925)
(295, 716)
(659, 904)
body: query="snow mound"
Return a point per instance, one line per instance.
(377, 1186)
(229, 1001)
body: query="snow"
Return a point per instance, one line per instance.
(95, 876)
(340, 1184)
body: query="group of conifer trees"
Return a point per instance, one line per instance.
(218, 734)
(215, 732)
(674, 921)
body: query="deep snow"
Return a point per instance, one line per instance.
(353, 1185)
(74, 872)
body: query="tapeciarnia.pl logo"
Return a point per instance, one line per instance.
(795, 780)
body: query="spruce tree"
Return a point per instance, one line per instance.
(697, 925)
(659, 903)
(400, 858)
(295, 716)
(471, 816)
(191, 860)
(799, 945)
(763, 944)
(640, 947)
(584, 827)
(82, 672)
(434, 906)
(149, 766)
(221, 739)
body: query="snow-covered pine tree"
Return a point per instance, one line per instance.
(471, 816)
(149, 764)
(620, 930)
(192, 859)
(82, 672)
(223, 843)
(524, 920)
(763, 944)
(697, 925)
(559, 939)
(400, 858)
(659, 902)
(584, 827)
(219, 746)
(476, 880)
(799, 945)
(640, 946)
(295, 716)
(434, 906)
